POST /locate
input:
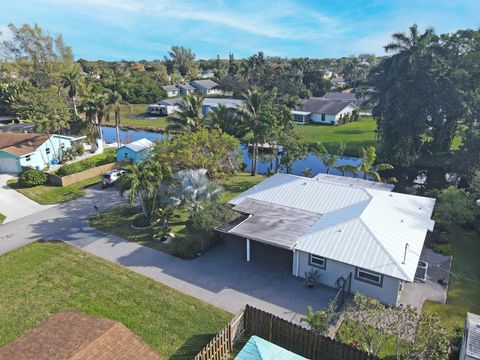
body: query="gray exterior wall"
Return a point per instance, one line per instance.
(387, 294)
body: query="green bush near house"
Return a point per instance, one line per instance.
(444, 249)
(32, 177)
(2, 218)
(107, 157)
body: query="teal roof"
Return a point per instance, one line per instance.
(259, 349)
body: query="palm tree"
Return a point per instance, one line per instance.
(347, 168)
(94, 107)
(195, 188)
(114, 104)
(189, 116)
(328, 159)
(227, 120)
(307, 172)
(250, 113)
(367, 167)
(71, 81)
(142, 181)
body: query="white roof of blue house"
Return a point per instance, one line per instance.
(259, 349)
(473, 336)
(139, 145)
(356, 224)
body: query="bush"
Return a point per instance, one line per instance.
(141, 221)
(69, 169)
(212, 215)
(445, 249)
(33, 177)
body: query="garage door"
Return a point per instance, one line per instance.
(8, 166)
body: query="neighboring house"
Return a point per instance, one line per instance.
(19, 150)
(325, 111)
(342, 96)
(301, 117)
(471, 338)
(257, 348)
(171, 90)
(208, 74)
(75, 336)
(135, 151)
(209, 104)
(339, 228)
(207, 87)
(164, 107)
(186, 89)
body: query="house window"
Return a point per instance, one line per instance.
(27, 158)
(368, 276)
(47, 150)
(62, 146)
(126, 155)
(317, 261)
(323, 117)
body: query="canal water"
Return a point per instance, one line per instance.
(310, 161)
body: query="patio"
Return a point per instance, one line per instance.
(414, 294)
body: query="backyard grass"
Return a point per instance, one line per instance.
(118, 221)
(42, 279)
(49, 194)
(2, 218)
(136, 116)
(354, 135)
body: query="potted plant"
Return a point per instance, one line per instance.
(312, 279)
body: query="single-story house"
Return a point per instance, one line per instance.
(207, 86)
(135, 151)
(186, 89)
(471, 338)
(70, 335)
(171, 90)
(325, 111)
(209, 104)
(342, 96)
(301, 117)
(19, 150)
(343, 230)
(164, 107)
(257, 348)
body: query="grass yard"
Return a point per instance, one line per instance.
(118, 221)
(2, 218)
(42, 279)
(48, 194)
(135, 116)
(355, 135)
(464, 291)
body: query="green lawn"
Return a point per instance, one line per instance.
(355, 135)
(108, 156)
(135, 115)
(48, 194)
(118, 221)
(42, 279)
(2, 218)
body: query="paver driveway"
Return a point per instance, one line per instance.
(15, 205)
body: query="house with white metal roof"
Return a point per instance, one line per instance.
(340, 228)
(471, 338)
(135, 151)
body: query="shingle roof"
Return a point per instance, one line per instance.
(207, 84)
(21, 144)
(322, 106)
(74, 336)
(361, 226)
(340, 96)
(186, 87)
(473, 337)
(170, 88)
(139, 145)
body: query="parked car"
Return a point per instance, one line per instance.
(110, 177)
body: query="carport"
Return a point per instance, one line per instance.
(270, 224)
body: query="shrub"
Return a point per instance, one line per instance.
(69, 169)
(33, 177)
(445, 249)
(212, 215)
(141, 221)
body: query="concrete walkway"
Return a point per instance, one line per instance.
(15, 205)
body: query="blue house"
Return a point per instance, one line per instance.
(18, 150)
(135, 151)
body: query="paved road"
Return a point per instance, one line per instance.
(13, 204)
(266, 282)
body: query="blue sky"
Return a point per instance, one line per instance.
(145, 29)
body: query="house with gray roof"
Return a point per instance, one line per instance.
(341, 96)
(471, 338)
(186, 89)
(344, 229)
(209, 104)
(206, 86)
(164, 107)
(324, 111)
(171, 90)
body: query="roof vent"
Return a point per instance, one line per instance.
(391, 195)
(401, 221)
(304, 183)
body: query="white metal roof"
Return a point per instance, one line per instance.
(473, 336)
(364, 227)
(347, 180)
(139, 145)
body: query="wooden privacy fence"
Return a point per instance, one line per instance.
(83, 175)
(280, 332)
